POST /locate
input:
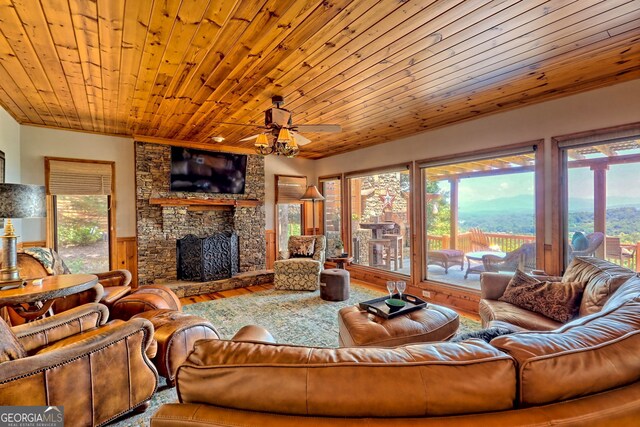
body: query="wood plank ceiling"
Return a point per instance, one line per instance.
(381, 69)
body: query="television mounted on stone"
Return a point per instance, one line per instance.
(204, 171)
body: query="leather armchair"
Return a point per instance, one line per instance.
(97, 371)
(116, 283)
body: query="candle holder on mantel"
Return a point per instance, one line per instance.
(17, 201)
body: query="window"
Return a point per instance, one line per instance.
(601, 202)
(380, 219)
(479, 215)
(289, 208)
(331, 214)
(80, 214)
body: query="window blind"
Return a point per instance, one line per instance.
(79, 178)
(290, 189)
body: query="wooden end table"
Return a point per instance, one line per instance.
(341, 262)
(52, 287)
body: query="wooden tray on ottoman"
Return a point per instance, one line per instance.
(379, 308)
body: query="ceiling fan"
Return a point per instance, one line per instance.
(277, 119)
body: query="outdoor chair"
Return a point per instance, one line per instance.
(614, 250)
(594, 240)
(523, 258)
(479, 240)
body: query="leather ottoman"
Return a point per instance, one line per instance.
(176, 333)
(147, 297)
(359, 328)
(334, 284)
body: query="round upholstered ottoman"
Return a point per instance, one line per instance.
(334, 284)
(148, 297)
(176, 333)
(359, 328)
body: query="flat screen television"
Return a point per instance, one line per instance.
(207, 171)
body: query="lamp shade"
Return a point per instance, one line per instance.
(312, 193)
(22, 201)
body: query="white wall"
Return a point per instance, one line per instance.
(277, 165)
(37, 142)
(600, 108)
(10, 145)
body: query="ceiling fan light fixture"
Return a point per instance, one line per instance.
(262, 140)
(284, 136)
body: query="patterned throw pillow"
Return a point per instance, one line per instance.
(10, 347)
(301, 246)
(559, 301)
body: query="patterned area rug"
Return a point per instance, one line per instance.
(293, 317)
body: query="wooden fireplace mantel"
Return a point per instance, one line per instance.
(206, 203)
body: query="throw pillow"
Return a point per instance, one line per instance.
(301, 247)
(10, 347)
(579, 241)
(559, 301)
(484, 334)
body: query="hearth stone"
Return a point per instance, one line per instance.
(207, 258)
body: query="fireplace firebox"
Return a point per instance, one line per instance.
(208, 258)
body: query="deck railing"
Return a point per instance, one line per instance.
(510, 242)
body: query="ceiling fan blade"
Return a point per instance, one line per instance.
(300, 140)
(250, 138)
(280, 117)
(318, 128)
(238, 124)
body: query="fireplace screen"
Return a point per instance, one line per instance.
(208, 258)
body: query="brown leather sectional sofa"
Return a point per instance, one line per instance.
(584, 373)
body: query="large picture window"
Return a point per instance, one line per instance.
(479, 215)
(601, 204)
(289, 208)
(380, 204)
(81, 215)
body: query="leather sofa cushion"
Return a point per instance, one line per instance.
(491, 310)
(10, 347)
(603, 278)
(595, 354)
(413, 380)
(628, 291)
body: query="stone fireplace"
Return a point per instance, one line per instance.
(163, 216)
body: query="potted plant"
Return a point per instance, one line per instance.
(339, 246)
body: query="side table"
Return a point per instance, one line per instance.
(341, 262)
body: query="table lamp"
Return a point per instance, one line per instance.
(312, 194)
(17, 201)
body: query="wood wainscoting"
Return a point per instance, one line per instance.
(270, 237)
(127, 257)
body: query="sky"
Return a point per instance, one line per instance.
(623, 181)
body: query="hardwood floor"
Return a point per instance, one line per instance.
(257, 288)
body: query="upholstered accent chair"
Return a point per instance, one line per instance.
(36, 262)
(98, 371)
(299, 267)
